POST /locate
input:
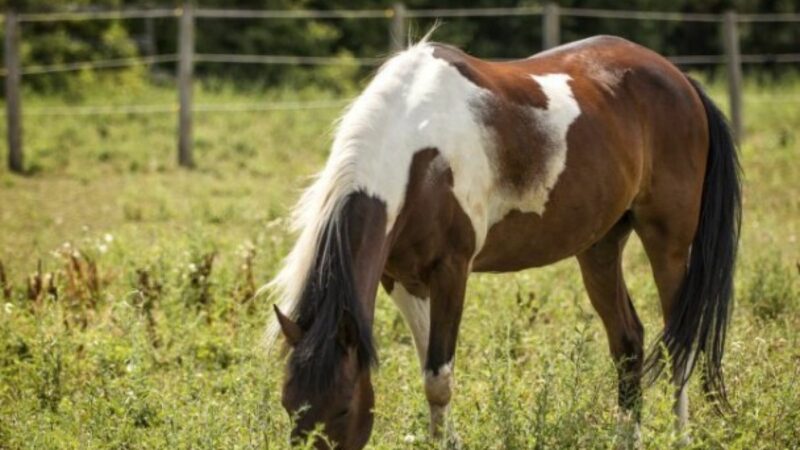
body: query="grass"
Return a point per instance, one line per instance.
(126, 320)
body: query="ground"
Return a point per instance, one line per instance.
(137, 329)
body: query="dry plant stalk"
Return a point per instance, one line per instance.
(40, 285)
(83, 282)
(149, 291)
(82, 286)
(5, 286)
(199, 279)
(245, 288)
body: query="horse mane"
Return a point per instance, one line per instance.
(329, 311)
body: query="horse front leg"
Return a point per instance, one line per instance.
(447, 287)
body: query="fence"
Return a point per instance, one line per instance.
(397, 18)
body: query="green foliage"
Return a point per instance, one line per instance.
(772, 290)
(495, 37)
(153, 356)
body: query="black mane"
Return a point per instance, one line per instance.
(329, 311)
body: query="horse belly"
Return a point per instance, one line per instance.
(590, 197)
(524, 240)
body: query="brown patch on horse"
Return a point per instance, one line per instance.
(431, 226)
(520, 143)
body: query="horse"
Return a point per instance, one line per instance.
(447, 164)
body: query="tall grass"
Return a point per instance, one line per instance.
(127, 318)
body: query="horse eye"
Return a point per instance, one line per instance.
(341, 414)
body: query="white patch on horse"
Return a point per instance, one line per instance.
(416, 312)
(416, 101)
(681, 406)
(606, 77)
(439, 383)
(554, 122)
(439, 390)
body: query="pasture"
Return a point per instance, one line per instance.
(127, 319)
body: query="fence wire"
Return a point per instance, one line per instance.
(779, 58)
(91, 65)
(206, 13)
(112, 110)
(288, 60)
(475, 12)
(219, 13)
(78, 16)
(639, 15)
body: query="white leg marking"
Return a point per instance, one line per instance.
(416, 312)
(438, 390)
(681, 409)
(681, 406)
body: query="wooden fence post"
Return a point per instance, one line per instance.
(733, 60)
(13, 101)
(398, 37)
(185, 69)
(551, 26)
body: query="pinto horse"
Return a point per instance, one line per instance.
(447, 165)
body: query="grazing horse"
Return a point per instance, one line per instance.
(447, 165)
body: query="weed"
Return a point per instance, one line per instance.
(197, 291)
(49, 388)
(81, 285)
(5, 285)
(148, 292)
(41, 285)
(772, 289)
(244, 289)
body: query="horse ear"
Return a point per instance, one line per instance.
(291, 330)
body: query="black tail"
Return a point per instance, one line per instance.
(699, 320)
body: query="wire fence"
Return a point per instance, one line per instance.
(105, 110)
(397, 17)
(333, 104)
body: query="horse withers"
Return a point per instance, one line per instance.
(447, 165)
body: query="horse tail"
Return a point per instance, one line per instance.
(699, 319)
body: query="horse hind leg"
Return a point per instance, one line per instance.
(667, 241)
(601, 268)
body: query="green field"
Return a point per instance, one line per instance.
(126, 319)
